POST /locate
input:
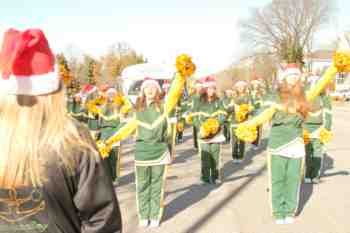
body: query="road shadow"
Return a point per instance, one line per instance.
(307, 189)
(328, 164)
(193, 195)
(230, 168)
(213, 210)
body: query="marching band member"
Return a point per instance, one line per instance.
(242, 109)
(257, 95)
(229, 107)
(151, 149)
(318, 125)
(91, 110)
(111, 119)
(208, 117)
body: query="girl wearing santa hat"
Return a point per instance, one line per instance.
(112, 117)
(318, 122)
(51, 171)
(152, 155)
(257, 93)
(242, 109)
(209, 117)
(286, 144)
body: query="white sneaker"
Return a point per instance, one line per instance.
(255, 147)
(154, 223)
(308, 180)
(237, 161)
(280, 221)
(289, 220)
(143, 223)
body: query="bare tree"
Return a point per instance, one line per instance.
(286, 28)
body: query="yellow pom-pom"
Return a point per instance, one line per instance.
(325, 136)
(341, 61)
(125, 109)
(246, 132)
(100, 100)
(189, 119)
(103, 149)
(185, 66)
(242, 113)
(209, 128)
(180, 126)
(306, 137)
(119, 100)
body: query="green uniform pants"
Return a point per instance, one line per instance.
(227, 132)
(258, 137)
(210, 155)
(238, 147)
(150, 181)
(285, 185)
(195, 137)
(314, 158)
(113, 162)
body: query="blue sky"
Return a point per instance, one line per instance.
(160, 29)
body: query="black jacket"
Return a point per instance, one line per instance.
(84, 202)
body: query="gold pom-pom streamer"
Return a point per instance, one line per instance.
(242, 113)
(209, 128)
(306, 135)
(119, 100)
(341, 61)
(185, 66)
(91, 106)
(325, 136)
(180, 126)
(252, 124)
(189, 119)
(103, 149)
(246, 132)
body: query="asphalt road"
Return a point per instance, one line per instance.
(241, 204)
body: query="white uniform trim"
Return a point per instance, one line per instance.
(30, 85)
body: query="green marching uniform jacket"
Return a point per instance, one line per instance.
(203, 111)
(151, 127)
(110, 121)
(76, 111)
(286, 135)
(320, 116)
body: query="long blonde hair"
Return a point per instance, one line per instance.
(34, 131)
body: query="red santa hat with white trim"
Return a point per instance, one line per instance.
(290, 71)
(27, 64)
(166, 84)
(241, 83)
(208, 82)
(150, 82)
(89, 89)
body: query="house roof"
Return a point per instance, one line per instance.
(321, 55)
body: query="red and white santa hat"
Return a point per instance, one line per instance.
(111, 91)
(79, 94)
(291, 71)
(150, 82)
(166, 84)
(209, 82)
(27, 64)
(89, 89)
(241, 83)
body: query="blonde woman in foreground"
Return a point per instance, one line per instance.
(51, 176)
